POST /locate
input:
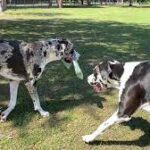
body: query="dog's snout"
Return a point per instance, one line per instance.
(90, 79)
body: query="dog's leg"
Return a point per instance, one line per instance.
(13, 98)
(146, 107)
(127, 106)
(105, 125)
(34, 95)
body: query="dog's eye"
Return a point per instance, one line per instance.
(61, 53)
(58, 47)
(92, 83)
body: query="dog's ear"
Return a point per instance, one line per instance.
(105, 70)
(114, 61)
(96, 69)
(105, 67)
(109, 70)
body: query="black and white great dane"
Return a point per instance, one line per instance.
(22, 61)
(133, 81)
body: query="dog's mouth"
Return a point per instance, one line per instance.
(72, 56)
(68, 59)
(98, 87)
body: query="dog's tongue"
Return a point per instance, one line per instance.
(97, 88)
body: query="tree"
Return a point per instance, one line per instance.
(88, 2)
(130, 2)
(3, 5)
(60, 3)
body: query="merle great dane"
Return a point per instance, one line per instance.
(22, 61)
(133, 81)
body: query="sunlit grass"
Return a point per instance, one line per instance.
(98, 33)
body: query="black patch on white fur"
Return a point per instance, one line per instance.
(15, 62)
(63, 41)
(45, 53)
(50, 43)
(117, 71)
(3, 52)
(29, 54)
(36, 70)
(58, 47)
(35, 83)
(136, 91)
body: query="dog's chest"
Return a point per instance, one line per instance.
(35, 71)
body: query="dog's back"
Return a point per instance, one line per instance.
(139, 81)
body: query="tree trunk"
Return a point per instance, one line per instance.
(88, 2)
(49, 3)
(130, 3)
(101, 1)
(3, 5)
(60, 3)
(82, 1)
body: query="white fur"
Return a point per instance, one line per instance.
(114, 62)
(91, 78)
(146, 107)
(13, 97)
(35, 98)
(105, 125)
(7, 73)
(128, 70)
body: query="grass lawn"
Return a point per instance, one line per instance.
(98, 33)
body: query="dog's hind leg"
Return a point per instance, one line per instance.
(105, 125)
(35, 98)
(13, 98)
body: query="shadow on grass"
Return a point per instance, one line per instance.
(59, 88)
(137, 6)
(46, 6)
(134, 123)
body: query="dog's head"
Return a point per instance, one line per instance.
(103, 76)
(64, 49)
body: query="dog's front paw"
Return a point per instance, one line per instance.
(44, 113)
(3, 117)
(88, 138)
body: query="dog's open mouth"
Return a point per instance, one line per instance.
(74, 55)
(68, 59)
(98, 87)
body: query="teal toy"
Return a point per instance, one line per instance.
(77, 68)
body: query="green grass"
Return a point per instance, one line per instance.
(98, 33)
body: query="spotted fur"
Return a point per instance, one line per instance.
(22, 61)
(134, 90)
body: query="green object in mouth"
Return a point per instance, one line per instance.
(67, 65)
(78, 70)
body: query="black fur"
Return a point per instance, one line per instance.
(137, 90)
(15, 62)
(36, 70)
(29, 54)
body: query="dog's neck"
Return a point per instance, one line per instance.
(116, 71)
(36, 57)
